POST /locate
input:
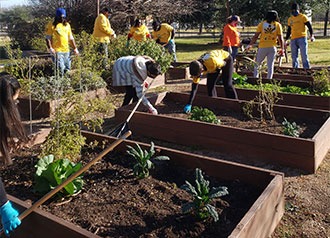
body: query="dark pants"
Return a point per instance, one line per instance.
(130, 94)
(225, 76)
(103, 49)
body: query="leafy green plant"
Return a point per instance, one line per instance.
(204, 114)
(144, 160)
(202, 196)
(52, 173)
(238, 79)
(321, 82)
(290, 129)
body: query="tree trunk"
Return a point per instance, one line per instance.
(228, 7)
(97, 7)
(200, 28)
(326, 22)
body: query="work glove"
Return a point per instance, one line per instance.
(187, 108)
(286, 43)
(76, 51)
(9, 218)
(248, 47)
(127, 44)
(312, 38)
(281, 52)
(171, 41)
(52, 51)
(114, 35)
(146, 85)
(153, 111)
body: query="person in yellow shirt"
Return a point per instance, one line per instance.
(269, 31)
(138, 32)
(163, 34)
(58, 37)
(103, 32)
(231, 36)
(211, 65)
(297, 26)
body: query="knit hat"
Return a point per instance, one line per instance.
(60, 12)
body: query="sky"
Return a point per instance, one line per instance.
(10, 3)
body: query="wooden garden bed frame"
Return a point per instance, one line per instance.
(290, 99)
(283, 77)
(41, 224)
(43, 109)
(266, 212)
(305, 154)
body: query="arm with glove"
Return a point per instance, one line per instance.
(9, 215)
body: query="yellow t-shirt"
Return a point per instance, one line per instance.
(164, 33)
(102, 29)
(269, 33)
(214, 60)
(298, 27)
(139, 33)
(59, 36)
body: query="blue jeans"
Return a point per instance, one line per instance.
(234, 51)
(296, 44)
(170, 46)
(62, 62)
(103, 49)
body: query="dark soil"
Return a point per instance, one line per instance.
(114, 203)
(237, 119)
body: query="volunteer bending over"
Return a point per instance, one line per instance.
(211, 65)
(132, 72)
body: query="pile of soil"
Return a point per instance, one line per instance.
(238, 119)
(114, 203)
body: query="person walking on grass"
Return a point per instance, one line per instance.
(270, 31)
(58, 37)
(132, 72)
(231, 36)
(10, 126)
(138, 32)
(103, 32)
(163, 34)
(217, 64)
(297, 28)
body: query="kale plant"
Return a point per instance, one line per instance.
(202, 196)
(144, 160)
(290, 129)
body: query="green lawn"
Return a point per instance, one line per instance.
(192, 48)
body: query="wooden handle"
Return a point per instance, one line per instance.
(73, 176)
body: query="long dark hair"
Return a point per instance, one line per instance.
(60, 20)
(10, 120)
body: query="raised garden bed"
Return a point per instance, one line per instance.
(43, 109)
(254, 141)
(297, 100)
(180, 70)
(41, 224)
(114, 203)
(283, 77)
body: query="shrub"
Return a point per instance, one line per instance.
(144, 160)
(202, 196)
(321, 82)
(204, 114)
(52, 173)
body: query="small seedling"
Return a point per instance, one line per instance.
(144, 160)
(290, 129)
(202, 196)
(204, 114)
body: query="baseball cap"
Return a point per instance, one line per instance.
(60, 12)
(236, 18)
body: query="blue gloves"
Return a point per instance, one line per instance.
(171, 41)
(127, 44)
(187, 108)
(9, 218)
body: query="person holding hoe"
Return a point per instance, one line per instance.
(10, 126)
(163, 34)
(132, 72)
(217, 64)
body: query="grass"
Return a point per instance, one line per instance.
(189, 49)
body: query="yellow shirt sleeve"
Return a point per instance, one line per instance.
(279, 29)
(154, 35)
(132, 31)
(304, 18)
(169, 27)
(49, 29)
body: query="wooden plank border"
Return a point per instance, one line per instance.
(266, 212)
(265, 147)
(290, 99)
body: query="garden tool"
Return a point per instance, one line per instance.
(123, 127)
(73, 176)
